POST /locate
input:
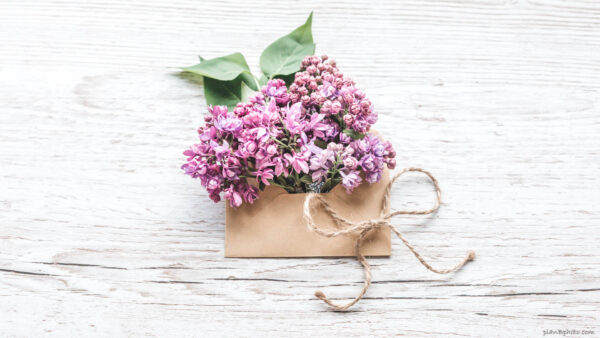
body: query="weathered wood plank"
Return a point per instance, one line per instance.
(101, 234)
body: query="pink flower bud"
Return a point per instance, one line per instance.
(250, 146)
(348, 119)
(391, 163)
(350, 162)
(212, 184)
(321, 99)
(336, 107)
(365, 104)
(272, 149)
(348, 98)
(338, 83)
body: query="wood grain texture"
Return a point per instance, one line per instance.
(101, 234)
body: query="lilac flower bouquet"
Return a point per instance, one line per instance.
(307, 129)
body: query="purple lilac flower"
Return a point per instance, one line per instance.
(293, 119)
(276, 89)
(321, 163)
(282, 133)
(228, 124)
(264, 175)
(298, 161)
(350, 180)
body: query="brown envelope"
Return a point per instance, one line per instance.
(274, 227)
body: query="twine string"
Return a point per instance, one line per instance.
(363, 228)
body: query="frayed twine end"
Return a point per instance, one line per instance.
(471, 256)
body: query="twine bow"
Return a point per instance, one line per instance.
(364, 227)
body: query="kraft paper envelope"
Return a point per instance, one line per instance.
(274, 227)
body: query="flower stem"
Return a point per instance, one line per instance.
(281, 143)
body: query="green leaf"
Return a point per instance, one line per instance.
(281, 180)
(249, 80)
(246, 91)
(284, 56)
(261, 186)
(353, 134)
(263, 80)
(223, 93)
(306, 179)
(225, 68)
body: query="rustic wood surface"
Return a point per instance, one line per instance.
(101, 233)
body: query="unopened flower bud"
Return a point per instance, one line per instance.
(348, 119)
(350, 162)
(338, 83)
(272, 149)
(336, 107)
(391, 163)
(365, 104)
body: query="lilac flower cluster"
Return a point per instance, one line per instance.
(308, 137)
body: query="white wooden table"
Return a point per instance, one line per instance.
(102, 234)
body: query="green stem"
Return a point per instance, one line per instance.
(335, 169)
(276, 184)
(283, 144)
(279, 185)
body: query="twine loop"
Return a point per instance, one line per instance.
(346, 227)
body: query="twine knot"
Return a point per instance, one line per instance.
(364, 227)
